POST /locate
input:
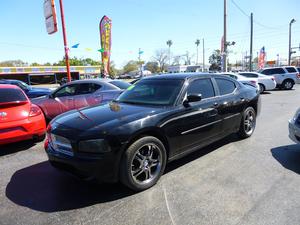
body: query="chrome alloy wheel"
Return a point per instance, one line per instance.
(146, 163)
(249, 122)
(288, 84)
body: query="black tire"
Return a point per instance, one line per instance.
(287, 84)
(248, 123)
(261, 88)
(138, 163)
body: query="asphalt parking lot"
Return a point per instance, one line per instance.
(252, 181)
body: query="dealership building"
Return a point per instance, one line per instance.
(47, 74)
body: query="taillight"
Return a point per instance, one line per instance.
(253, 82)
(298, 75)
(34, 111)
(272, 78)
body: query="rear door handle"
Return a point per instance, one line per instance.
(216, 104)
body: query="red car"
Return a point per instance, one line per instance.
(79, 94)
(19, 118)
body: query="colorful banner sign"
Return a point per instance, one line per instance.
(105, 38)
(261, 58)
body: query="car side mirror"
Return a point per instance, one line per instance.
(192, 98)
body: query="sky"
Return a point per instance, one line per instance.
(148, 25)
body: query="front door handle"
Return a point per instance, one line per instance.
(216, 104)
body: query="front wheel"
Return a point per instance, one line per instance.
(143, 163)
(248, 123)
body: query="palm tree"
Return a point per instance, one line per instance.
(169, 43)
(197, 43)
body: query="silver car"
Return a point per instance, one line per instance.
(294, 127)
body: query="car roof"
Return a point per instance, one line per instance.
(9, 86)
(9, 80)
(182, 76)
(95, 81)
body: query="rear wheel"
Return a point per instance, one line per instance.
(261, 88)
(288, 84)
(143, 163)
(248, 123)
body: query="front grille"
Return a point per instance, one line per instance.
(61, 144)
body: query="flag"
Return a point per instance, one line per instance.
(105, 38)
(261, 58)
(75, 46)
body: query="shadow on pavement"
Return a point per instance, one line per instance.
(43, 188)
(288, 156)
(16, 147)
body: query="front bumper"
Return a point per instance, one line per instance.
(294, 132)
(103, 168)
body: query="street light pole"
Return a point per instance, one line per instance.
(65, 39)
(290, 38)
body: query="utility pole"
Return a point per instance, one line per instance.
(290, 38)
(65, 39)
(203, 57)
(140, 63)
(225, 38)
(251, 44)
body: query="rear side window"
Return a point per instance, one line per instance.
(11, 95)
(203, 87)
(273, 71)
(87, 88)
(225, 86)
(291, 69)
(249, 74)
(120, 84)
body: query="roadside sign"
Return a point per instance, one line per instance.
(50, 16)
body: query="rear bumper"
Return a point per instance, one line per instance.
(22, 130)
(294, 132)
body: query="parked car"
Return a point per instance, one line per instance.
(244, 80)
(19, 118)
(75, 95)
(64, 80)
(158, 120)
(266, 83)
(30, 91)
(286, 77)
(294, 127)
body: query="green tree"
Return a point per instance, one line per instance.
(215, 60)
(152, 66)
(131, 66)
(35, 64)
(12, 63)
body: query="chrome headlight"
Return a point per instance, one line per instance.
(94, 146)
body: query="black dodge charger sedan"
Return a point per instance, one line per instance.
(154, 121)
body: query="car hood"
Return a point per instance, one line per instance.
(105, 117)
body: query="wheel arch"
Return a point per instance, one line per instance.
(151, 131)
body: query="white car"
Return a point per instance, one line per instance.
(266, 83)
(244, 80)
(294, 127)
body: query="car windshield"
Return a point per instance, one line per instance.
(120, 84)
(24, 86)
(152, 92)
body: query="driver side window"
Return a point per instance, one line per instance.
(68, 90)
